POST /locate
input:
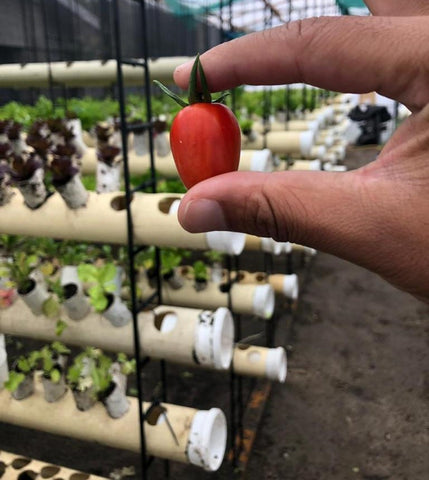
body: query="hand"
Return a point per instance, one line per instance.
(377, 216)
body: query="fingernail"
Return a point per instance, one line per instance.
(203, 216)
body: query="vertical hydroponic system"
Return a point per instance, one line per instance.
(110, 294)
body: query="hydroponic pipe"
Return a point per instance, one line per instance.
(18, 467)
(104, 220)
(255, 361)
(181, 335)
(245, 299)
(199, 435)
(292, 125)
(250, 160)
(306, 165)
(282, 143)
(286, 285)
(89, 73)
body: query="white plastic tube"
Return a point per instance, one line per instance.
(249, 299)
(63, 418)
(181, 335)
(306, 165)
(256, 160)
(207, 439)
(258, 361)
(153, 225)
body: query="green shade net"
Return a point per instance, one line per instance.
(347, 6)
(193, 7)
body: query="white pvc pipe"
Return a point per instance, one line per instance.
(306, 165)
(85, 73)
(63, 418)
(258, 361)
(175, 334)
(287, 285)
(153, 225)
(245, 299)
(282, 142)
(256, 160)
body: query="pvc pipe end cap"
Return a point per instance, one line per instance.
(214, 339)
(276, 364)
(207, 439)
(314, 125)
(318, 151)
(291, 286)
(262, 161)
(264, 301)
(223, 338)
(268, 245)
(231, 243)
(306, 140)
(315, 165)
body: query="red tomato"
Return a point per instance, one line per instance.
(205, 140)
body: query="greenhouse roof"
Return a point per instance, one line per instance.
(242, 16)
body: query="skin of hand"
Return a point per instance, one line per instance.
(376, 216)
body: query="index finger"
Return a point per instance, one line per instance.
(346, 54)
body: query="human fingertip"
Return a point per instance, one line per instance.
(201, 215)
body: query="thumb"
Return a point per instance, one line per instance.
(323, 210)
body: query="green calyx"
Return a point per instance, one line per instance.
(194, 94)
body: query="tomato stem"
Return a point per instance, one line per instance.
(194, 95)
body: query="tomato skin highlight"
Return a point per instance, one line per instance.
(205, 141)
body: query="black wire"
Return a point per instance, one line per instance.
(130, 236)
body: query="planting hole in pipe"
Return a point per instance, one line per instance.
(165, 205)
(27, 475)
(254, 357)
(79, 476)
(49, 471)
(240, 276)
(165, 322)
(243, 346)
(155, 415)
(2, 468)
(261, 277)
(119, 203)
(20, 462)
